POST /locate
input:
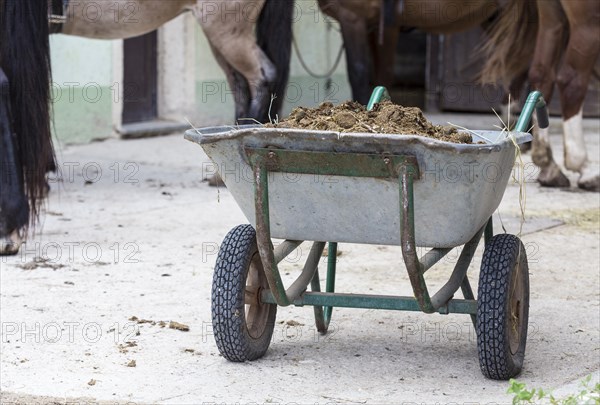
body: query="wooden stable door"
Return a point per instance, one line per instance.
(140, 79)
(453, 65)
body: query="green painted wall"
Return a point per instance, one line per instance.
(83, 88)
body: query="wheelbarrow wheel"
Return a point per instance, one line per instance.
(242, 324)
(503, 307)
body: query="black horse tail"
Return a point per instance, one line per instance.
(25, 59)
(274, 37)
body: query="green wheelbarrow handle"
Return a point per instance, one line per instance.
(536, 101)
(379, 94)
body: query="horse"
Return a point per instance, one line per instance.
(564, 38)
(358, 17)
(256, 65)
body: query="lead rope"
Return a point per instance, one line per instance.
(326, 75)
(333, 68)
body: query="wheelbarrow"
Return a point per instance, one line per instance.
(381, 189)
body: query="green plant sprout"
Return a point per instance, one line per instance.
(522, 395)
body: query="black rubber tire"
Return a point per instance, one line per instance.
(242, 330)
(502, 308)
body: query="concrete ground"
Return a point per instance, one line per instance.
(129, 239)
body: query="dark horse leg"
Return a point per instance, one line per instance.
(274, 37)
(358, 57)
(542, 76)
(384, 56)
(264, 64)
(252, 93)
(14, 210)
(573, 77)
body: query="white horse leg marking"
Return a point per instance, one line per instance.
(575, 153)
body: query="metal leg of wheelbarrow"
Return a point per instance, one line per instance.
(416, 268)
(323, 314)
(467, 291)
(489, 231)
(270, 257)
(466, 285)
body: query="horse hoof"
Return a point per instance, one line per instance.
(551, 176)
(10, 244)
(215, 181)
(590, 183)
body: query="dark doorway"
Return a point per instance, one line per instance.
(460, 63)
(409, 69)
(401, 70)
(140, 78)
(453, 66)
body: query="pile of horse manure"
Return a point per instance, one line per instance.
(385, 118)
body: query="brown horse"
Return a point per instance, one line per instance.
(565, 50)
(256, 65)
(358, 17)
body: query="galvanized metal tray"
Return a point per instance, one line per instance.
(457, 189)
